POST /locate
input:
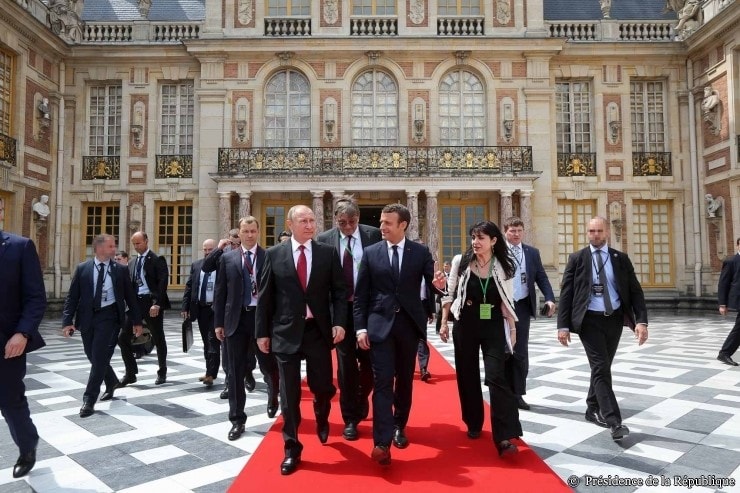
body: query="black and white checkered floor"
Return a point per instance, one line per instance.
(681, 404)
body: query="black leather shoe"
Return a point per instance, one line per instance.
(160, 379)
(224, 393)
(249, 382)
(350, 432)
(522, 404)
(289, 465)
(272, 407)
(726, 359)
(425, 375)
(381, 454)
(24, 464)
(619, 432)
(236, 431)
(108, 394)
(506, 448)
(474, 434)
(86, 410)
(399, 438)
(127, 379)
(595, 417)
(322, 430)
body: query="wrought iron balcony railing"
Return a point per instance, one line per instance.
(174, 166)
(376, 161)
(576, 164)
(101, 167)
(8, 149)
(651, 164)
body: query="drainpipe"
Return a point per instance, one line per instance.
(696, 210)
(59, 188)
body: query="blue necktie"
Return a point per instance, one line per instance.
(608, 310)
(98, 296)
(204, 287)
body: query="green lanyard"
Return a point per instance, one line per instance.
(484, 287)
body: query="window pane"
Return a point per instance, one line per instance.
(374, 110)
(462, 114)
(287, 110)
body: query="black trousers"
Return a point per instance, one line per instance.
(14, 405)
(600, 337)
(240, 343)
(732, 342)
(354, 374)
(422, 354)
(156, 327)
(99, 342)
(319, 375)
(517, 366)
(394, 360)
(211, 344)
(471, 337)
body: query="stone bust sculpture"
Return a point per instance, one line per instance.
(710, 109)
(42, 207)
(713, 205)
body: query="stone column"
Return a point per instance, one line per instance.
(525, 207)
(245, 204)
(412, 203)
(318, 209)
(224, 213)
(432, 223)
(506, 209)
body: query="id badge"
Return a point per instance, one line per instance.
(209, 286)
(254, 287)
(597, 289)
(139, 282)
(485, 311)
(104, 295)
(524, 278)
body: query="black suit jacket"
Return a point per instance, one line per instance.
(377, 296)
(369, 235)
(536, 275)
(191, 296)
(78, 306)
(22, 291)
(575, 290)
(281, 306)
(728, 290)
(157, 277)
(228, 296)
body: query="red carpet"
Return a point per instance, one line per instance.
(439, 458)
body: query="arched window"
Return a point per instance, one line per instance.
(462, 109)
(374, 110)
(288, 110)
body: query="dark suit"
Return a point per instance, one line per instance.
(354, 371)
(202, 311)
(395, 319)
(22, 306)
(526, 308)
(598, 332)
(281, 316)
(728, 292)
(157, 277)
(99, 328)
(239, 328)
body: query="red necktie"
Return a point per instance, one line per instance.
(348, 269)
(302, 268)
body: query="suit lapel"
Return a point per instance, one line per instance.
(4, 244)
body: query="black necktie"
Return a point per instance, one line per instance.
(348, 269)
(248, 278)
(98, 297)
(137, 274)
(395, 264)
(602, 279)
(204, 287)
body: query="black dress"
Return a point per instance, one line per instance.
(470, 336)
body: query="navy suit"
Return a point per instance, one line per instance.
(526, 308)
(22, 306)
(99, 329)
(203, 313)
(728, 292)
(395, 319)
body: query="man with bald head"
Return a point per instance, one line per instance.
(150, 277)
(197, 304)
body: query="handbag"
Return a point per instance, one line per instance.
(145, 337)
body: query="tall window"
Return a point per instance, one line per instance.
(374, 110)
(6, 91)
(101, 219)
(647, 107)
(6, 203)
(573, 107)
(573, 218)
(273, 223)
(456, 223)
(462, 109)
(374, 7)
(288, 110)
(174, 239)
(283, 8)
(177, 118)
(105, 120)
(458, 7)
(651, 242)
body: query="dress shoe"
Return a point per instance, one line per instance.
(522, 404)
(224, 393)
(473, 434)
(24, 464)
(726, 359)
(350, 432)
(208, 382)
(87, 409)
(236, 431)
(381, 454)
(399, 438)
(126, 380)
(595, 417)
(272, 407)
(506, 448)
(289, 465)
(619, 432)
(108, 394)
(322, 430)
(249, 382)
(160, 379)
(425, 375)
(202, 378)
